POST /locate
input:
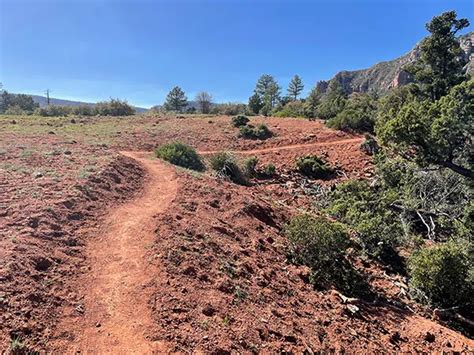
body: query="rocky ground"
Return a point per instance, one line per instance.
(219, 281)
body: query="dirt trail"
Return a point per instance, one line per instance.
(117, 316)
(286, 147)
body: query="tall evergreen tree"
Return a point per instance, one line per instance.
(176, 100)
(255, 103)
(268, 90)
(441, 63)
(295, 87)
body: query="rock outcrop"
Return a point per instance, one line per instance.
(384, 76)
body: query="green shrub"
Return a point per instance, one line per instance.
(16, 111)
(250, 166)
(321, 245)
(226, 166)
(358, 115)
(366, 210)
(291, 109)
(314, 167)
(180, 154)
(114, 107)
(84, 110)
(239, 121)
(370, 145)
(443, 273)
(53, 111)
(259, 132)
(269, 170)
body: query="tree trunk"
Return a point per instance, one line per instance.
(458, 169)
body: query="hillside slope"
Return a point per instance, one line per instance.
(42, 101)
(386, 75)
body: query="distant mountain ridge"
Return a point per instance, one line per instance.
(384, 76)
(42, 101)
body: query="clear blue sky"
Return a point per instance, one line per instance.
(137, 50)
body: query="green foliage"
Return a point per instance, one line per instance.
(53, 111)
(437, 133)
(295, 87)
(226, 166)
(84, 110)
(441, 62)
(250, 132)
(255, 103)
(228, 109)
(370, 145)
(114, 107)
(266, 95)
(269, 170)
(321, 245)
(291, 109)
(312, 102)
(180, 154)
(358, 115)
(332, 103)
(176, 100)
(443, 273)
(239, 121)
(366, 210)
(16, 103)
(314, 167)
(16, 111)
(250, 165)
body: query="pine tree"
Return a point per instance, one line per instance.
(441, 63)
(268, 90)
(176, 100)
(295, 87)
(255, 103)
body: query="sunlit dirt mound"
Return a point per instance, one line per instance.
(42, 247)
(226, 286)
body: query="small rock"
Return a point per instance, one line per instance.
(98, 324)
(395, 338)
(73, 120)
(430, 337)
(67, 152)
(51, 132)
(13, 122)
(38, 174)
(208, 310)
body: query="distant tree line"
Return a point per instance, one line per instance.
(20, 104)
(16, 103)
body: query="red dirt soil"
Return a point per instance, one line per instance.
(138, 256)
(116, 317)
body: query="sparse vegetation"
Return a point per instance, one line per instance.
(239, 121)
(321, 245)
(443, 273)
(250, 165)
(176, 100)
(113, 107)
(226, 166)
(358, 114)
(269, 170)
(250, 132)
(180, 154)
(314, 167)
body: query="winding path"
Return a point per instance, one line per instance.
(286, 147)
(117, 315)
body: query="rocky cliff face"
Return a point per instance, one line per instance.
(384, 76)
